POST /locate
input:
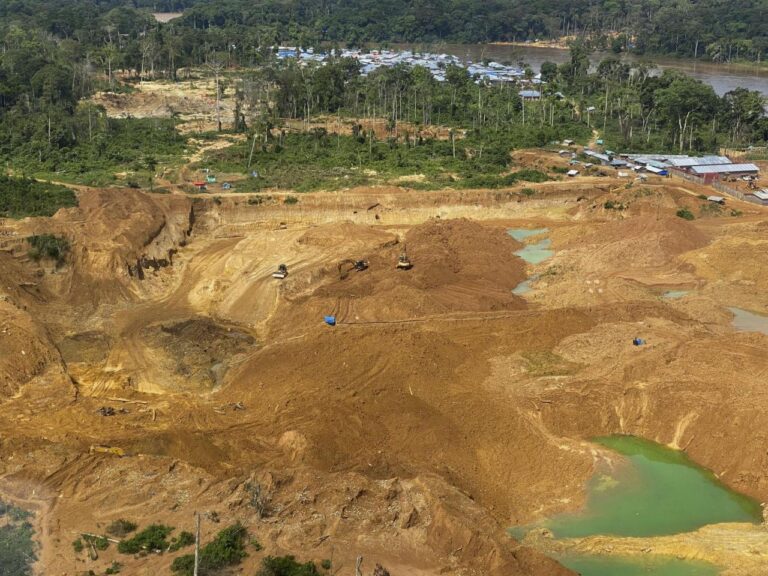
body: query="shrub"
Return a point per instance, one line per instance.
(226, 549)
(78, 546)
(325, 564)
(121, 527)
(528, 192)
(99, 542)
(685, 214)
(291, 200)
(151, 538)
(185, 539)
(286, 566)
(114, 568)
(48, 246)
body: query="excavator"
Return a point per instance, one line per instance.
(346, 266)
(281, 272)
(403, 262)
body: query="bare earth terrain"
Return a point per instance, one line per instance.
(442, 408)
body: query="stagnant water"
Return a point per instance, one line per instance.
(675, 294)
(745, 321)
(606, 566)
(532, 253)
(654, 491)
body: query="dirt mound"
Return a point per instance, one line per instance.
(458, 266)
(25, 349)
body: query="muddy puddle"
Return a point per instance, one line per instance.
(651, 491)
(536, 252)
(745, 321)
(675, 294)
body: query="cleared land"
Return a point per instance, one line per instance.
(441, 410)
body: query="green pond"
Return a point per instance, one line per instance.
(745, 321)
(607, 566)
(652, 491)
(656, 491)
(532, 253)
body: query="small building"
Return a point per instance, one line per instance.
(573, 173)
(716, 199)
(530, 95)
(760, 197)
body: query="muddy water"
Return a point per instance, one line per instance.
(537, 252)
(600, 566)
(745, 321)
(655, 491)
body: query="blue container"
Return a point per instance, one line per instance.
(330, 320)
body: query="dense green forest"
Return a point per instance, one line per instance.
(719, 30)
(55, 54)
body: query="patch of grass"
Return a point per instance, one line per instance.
(153, 537)
(317, 160)
(545, 363)
(528, 192)
(114, 568)
(685, 214)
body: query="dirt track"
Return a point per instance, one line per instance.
(441, 410)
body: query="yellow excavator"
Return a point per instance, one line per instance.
(114, 450)
(346, 266)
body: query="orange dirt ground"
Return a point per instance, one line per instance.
(441, 410)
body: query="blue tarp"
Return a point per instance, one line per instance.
(330, 320)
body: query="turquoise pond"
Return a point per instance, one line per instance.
(745, 321)
(537, 252)
(654, 491)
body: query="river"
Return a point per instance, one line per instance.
(722, 77)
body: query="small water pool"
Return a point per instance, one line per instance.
(675, 294)
(537, 252)
(745, 321)
(643, 566)
(521, 234)
(525, 286)
(656, 491)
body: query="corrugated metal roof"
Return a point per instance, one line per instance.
(703, 161)
(763, 194)
(725, 169)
